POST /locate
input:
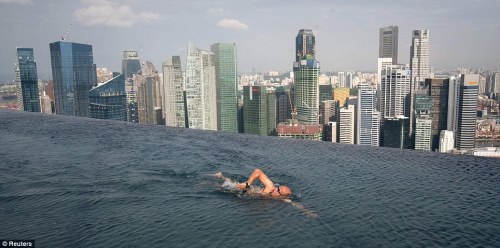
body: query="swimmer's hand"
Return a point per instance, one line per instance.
(241, 185)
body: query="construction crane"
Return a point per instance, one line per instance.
(66, 34)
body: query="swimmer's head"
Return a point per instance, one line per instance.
(284, 191)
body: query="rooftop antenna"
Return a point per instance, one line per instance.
(66, 34)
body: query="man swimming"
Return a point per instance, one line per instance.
(282, 193)
(269, 189)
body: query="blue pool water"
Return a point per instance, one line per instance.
(77, 182)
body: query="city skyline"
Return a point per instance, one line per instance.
(264, 31)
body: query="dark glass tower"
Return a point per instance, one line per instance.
(467, 105)
(130, 63)
(439, 90)
(74, 74)
(108, 100)
(259, 114)
(27, 81)
(305, 45)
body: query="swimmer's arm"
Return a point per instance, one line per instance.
(309, 213)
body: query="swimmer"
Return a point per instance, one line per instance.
(269, 189)
(282, 193)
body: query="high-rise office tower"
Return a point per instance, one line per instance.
(493, 85)
(201, 96)
(423, 121)
(327, 111)
(388, 43)
(226, 77)
(325, 92)
(439, 90)
(130, 63)
(396, 134)
(349, 79)
(74, 74)
(108, 100)
(453, 97)
(173, 93)
(346, 125)
(467, 106)
(259, 114)
(341, 79)
(28, 98)
(306, 89)
(132, 108)
(368, 116)
(283, 104)
(394, 91)
(147, 101)
(419, 65)
(305, 44)
(306, 73)
(446, 141)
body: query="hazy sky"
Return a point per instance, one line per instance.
(463, 33)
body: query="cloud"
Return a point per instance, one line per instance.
(107, 13)
(215, 11)
(232, 24)
(17, 1)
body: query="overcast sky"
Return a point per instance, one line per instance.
(463, 33)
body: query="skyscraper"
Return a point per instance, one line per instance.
(446, 141)
(173, 99)
(130, 63)
(419, 65)
(396, 134)
(108, 100)
(305, 44)
(74, 74)
(283, 104)
(394, 91)
(259, 113)
(388, 43)
(439, 90)
(346, 125)
(27, 81)
(306, 72)
(226, 77)
(368, 116)
(201, 94)
(467, 106)
(423, 121)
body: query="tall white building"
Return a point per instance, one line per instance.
(419, 64)
(446, 141)
(346, 125)
(173, 93)
(394, 91)
(423, 134)
(200, 87)
(341, 79)
(368, 116)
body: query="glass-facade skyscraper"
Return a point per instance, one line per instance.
(226, 78)
(74, 74)
(130, 63)
(109, 100)
(259, 113)
(467, 105)
(419, 65)
(305, 45)
(27, 81)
